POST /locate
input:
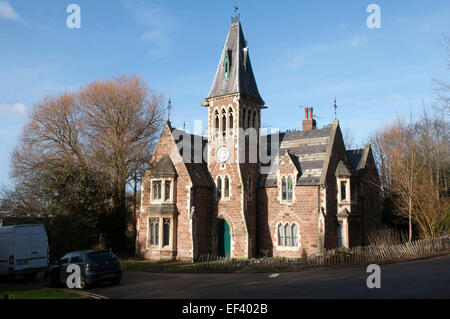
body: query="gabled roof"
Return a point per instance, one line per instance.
(164, 168)
(192, 154)
(241, 78)
(342, 170)
(358, 157)
(308, 151)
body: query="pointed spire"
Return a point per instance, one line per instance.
(234, 73)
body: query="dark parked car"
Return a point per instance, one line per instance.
(96, 266)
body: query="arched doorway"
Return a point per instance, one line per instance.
(224, 239)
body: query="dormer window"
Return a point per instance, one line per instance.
(226, 65)
(290, 188)
(167, 190)
(283, 188)
(156, 190)
(343, 190)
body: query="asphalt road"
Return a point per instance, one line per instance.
(429, 278)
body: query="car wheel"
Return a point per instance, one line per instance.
(48, 280)
(83, 284)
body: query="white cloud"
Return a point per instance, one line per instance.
(18, 109)
(8, 12)
(153, 16)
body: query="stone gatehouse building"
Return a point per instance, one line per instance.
(212, 195)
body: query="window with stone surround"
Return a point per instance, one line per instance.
(250, 188)
(287, 189)
(162, 190)
(280, 235)
(283, 189)
(166, 232)
(290, 189)
(343, 190)
(160, 233)
(219, 188)
(230, 121)
(156, 185)
(154, 232)
(226, 193)
(287, 235)
(216, 124)
(167, 190)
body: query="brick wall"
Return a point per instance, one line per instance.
(303, 210)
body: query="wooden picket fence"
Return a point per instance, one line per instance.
(363, 255)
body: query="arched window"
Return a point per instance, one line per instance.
(224, 121)
(244, 119)
(249, 119)
(219, 187)
(280, 235)
(226, 65)
(283, 188)
(255, 120)
(154, 231)
(290, 188)
(230, 120)
(250, 187)
(287, 235)
(156, 190)
(294, 235)
(227, 187)
(216, 123)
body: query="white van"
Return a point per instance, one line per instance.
(23, 250)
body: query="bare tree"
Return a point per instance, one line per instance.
(442, 87)
(108, 126)
(414, 163)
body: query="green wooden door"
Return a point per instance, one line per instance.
(224, 239)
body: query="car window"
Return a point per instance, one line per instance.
(65, 259)
(76, 258)
(100, 255)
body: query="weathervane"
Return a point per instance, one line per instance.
(169, 108)
(335, 108)
(236, 17)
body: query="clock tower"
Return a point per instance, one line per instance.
(234, 117)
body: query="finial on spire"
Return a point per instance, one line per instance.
(169, 108)
(335, 108)
(237, 16)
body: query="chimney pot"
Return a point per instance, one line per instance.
(309, 123)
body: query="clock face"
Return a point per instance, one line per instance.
(223, 154)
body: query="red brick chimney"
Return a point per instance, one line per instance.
(309, 123)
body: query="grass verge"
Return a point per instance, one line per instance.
(33, 291)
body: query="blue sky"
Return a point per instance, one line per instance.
(303, 53)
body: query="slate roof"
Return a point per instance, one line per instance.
(342, 170)
(241, 78)
(308, 151)
(358, 158)
(192, 153)
(164, 168)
